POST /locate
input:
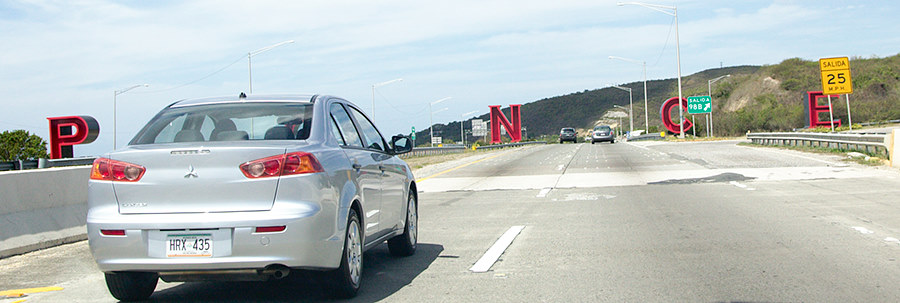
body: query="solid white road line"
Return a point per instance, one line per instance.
(544, 192)
(493, 253)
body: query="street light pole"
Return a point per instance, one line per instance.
(116, 93)
(620, 118)
(431, 126)
(373, 93)
(631, 105)
(671, 11)
(251, 54)
(462, 134)
(709, 91)
(646, 112)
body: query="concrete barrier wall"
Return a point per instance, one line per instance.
(41, 208)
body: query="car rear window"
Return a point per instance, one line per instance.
(228, 122)
(602, 128)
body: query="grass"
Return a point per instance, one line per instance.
(869, 160)
(417, 162)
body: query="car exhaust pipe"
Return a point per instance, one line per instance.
(276, 271)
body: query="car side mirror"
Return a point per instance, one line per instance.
(401, 144)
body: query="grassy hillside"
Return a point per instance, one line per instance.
(755, 98)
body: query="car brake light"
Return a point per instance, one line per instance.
(281, 165)
(111, 170)
(112, 232)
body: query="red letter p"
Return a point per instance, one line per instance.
(71, 130)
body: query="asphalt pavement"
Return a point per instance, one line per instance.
(624, 222)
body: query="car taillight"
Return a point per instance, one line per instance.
(112, 170)
(281, 165)
(112, 232)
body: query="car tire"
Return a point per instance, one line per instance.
(612, 141)
(592, 142)
(405, 245)
(345, 280)
(131, 286)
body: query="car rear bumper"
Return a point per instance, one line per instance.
(609, 138)
(306, 242)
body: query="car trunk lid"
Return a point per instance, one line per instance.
(180, 178)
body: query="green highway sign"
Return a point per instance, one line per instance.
(413, 133)
(699, 105)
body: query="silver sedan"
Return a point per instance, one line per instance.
(250, 188)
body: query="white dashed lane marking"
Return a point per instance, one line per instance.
(493, 254)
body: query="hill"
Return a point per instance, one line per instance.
(756, 98)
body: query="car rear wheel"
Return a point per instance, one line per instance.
(345, 280)
(131, 286)
(405, 244)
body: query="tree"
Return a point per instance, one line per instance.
(21, 145)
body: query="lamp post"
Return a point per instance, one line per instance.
(671, 11)
(631, 105)
(256, 52)
(709, 90)
(462, 134)
(431, 126)
(620, 118)
(373, 93)
(646, 113)
(116, 94)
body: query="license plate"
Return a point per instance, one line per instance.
(199, 245)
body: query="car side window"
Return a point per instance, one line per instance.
(345, 126)
(369, 132)
(336, 132)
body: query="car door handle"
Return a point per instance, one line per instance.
(356, 166)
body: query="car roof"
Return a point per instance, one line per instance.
(300, 98)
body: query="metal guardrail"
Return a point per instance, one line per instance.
(650, 136)
(418, 151)
(44, 163)
(427, 151)
(868, 143)
(496, 146)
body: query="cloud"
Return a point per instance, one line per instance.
(67, 57)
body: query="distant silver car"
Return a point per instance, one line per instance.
(603, 133)
(250, 188)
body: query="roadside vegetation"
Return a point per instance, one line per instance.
(754, 98)
(847, 155)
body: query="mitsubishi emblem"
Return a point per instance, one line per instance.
(191, 173)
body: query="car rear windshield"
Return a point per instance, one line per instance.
(602, 128)
(568, 130)
(228, 122)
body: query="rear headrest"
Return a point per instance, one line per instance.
(231, 135)
(225, 124)
(188, 135)
(279, 132)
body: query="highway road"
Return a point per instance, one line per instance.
(624, 222)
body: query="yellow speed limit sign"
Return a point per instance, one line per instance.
(836, 76)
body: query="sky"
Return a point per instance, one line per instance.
(64, 58)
